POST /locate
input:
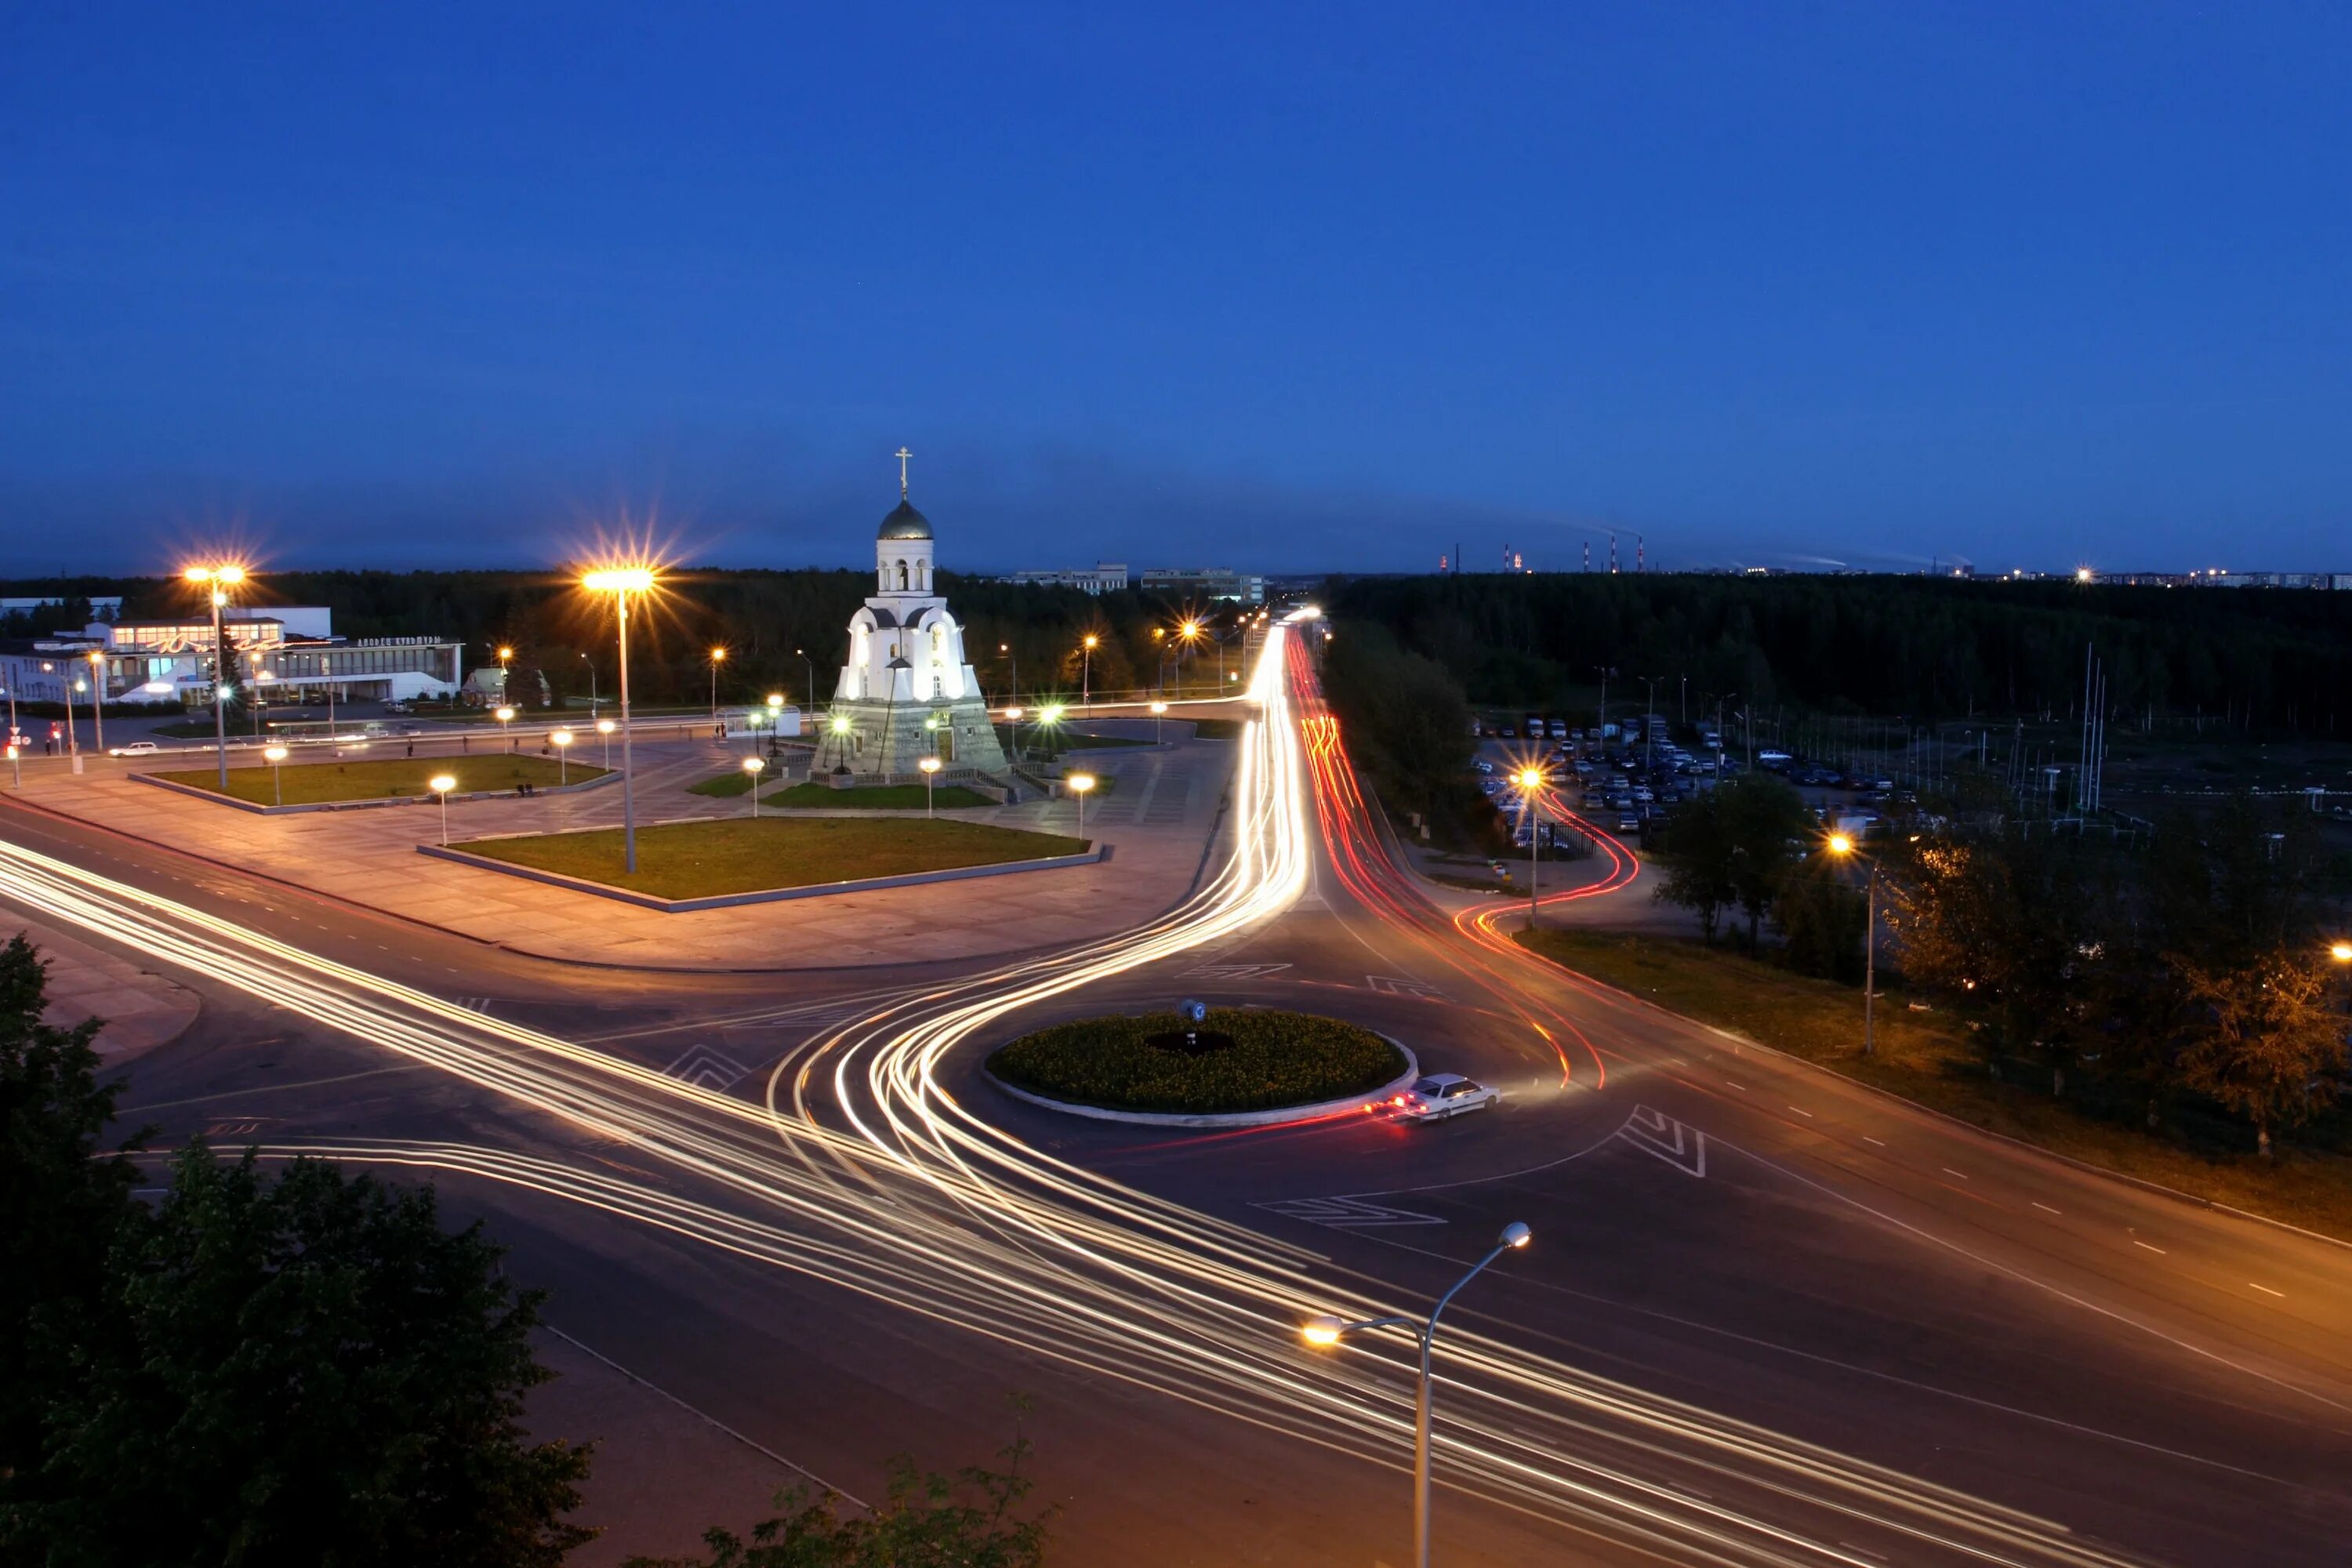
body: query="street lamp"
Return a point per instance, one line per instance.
(98, 696)
(562, 739)
(1531, 781)
(930, 766)
(1158, 711)
(718, 658)
(1013, 717)
(1080, 784)
(1326, 1331)
(220, 579)
(751, 765)
(73, 744)
(775, 716)
(505, 716)
(2341, 951)
(605, 728)
(276, 754)
(1049, 716)
(1087, 671)
(1191, 632)
(1842, 845)
(805, 660)
(441, 785)
(621, 582)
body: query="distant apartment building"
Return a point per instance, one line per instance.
(1106, 577)
(1206, 582)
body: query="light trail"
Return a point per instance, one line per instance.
(918, 1202)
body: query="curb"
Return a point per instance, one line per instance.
(761, 896)
(2142, 1183)
(369, 804)
(1228, 1119)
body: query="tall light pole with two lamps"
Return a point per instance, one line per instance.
(621, 582)
(219, 580)
(1324, 1332)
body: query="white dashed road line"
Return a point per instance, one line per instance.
(1868, 1138)
(2265, 1290)
(1949, 1171)
(2045, 1207)
(1801, 1111)
(2158, 1250)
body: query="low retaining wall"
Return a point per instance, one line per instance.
(371, 801)
(1228, 1119)
(763, 895)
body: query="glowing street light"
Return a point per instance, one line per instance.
(930, 766)
(1087, 670)
(621, 582)
(1158, 711)
(751, 765)
(2341, 951)
(605, 728)
(98, 696)
(219, 580)
(561, 741)
(718, 658)
(505, 716)
(1531, 781)
(441, 785)
(1081, 785)
(1324, 1332)
(276, 754)
(1843, 845)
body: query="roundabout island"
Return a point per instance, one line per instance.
(1211, 1067)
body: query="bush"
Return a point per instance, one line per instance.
(1276, 1059)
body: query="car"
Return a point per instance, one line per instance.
(134, 748)
(1629, 823)
(1508, 733)
(1438, 1095)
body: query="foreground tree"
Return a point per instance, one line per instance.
(304, 1371)
(1693, 858)
(925, 1520)
(2272, 1048)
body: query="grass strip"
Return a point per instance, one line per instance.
(1930, 1060)
(318, 783)
(868, 797)
(1276, 1059)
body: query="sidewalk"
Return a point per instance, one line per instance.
(1155, 821)
(141, 1008)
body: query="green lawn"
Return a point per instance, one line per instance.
(311, 783)
(1928, 1058)
(744, 854)
(870, 798)
(725, 786)
(1268, 1060)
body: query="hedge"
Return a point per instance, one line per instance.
(1277, 1059)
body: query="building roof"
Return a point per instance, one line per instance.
(904, 522)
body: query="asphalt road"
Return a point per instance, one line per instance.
(1769, 1316)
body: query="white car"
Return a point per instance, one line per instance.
(1443, 1094)
(135, 749)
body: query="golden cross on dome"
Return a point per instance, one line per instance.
(902, 455)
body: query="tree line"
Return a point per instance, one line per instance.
(312, 1367)
(1928, 648)
(2173, 980)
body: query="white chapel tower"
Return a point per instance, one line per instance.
(905, 692)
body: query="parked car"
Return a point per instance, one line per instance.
(134, 748)
(1443, 1094)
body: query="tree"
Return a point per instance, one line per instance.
(61, 1201)
(304, 1371)
(1766, 827)
(1693, 857)
(925, 1520)
(1821, 921)
(2274, 1050)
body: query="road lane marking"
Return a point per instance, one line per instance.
(2046, 1208)
(1802, 1110)
(2158, 1250)
(2265, 1290)
(1740, 1086)
(1949, 1171)
(1345, 1214)
(1868, 1138)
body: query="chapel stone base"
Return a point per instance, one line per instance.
(865, 741)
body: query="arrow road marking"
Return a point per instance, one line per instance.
(1655, 1132)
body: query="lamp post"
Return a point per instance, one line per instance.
(73, 744)
(812, 677)
(441, 785)
(505, 716)
(1326, 1331)
(1013, 664)
(1840, 844)
(1158, 711)
(1087, 671)
(621, 582)
(775, 716)
(1013, 717)
(97, 697)
(16, 765)
(562, 739)
(219, 580)
(751, 765)
(604, 734)
(1047, 718)
(930, 766)
(592, 684)
(1531, 781)
(1081, 785)
(276, 754)
(718, 658)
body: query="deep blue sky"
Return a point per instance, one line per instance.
(1284, 287)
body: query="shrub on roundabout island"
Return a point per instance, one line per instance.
(1235, 1060)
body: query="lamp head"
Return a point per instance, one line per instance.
(1322, 1331)
(753, 764)
(1159, 708)
(619, 580)
(441, 783)
(1840, 844)
(1092, 640)
(841, 723)
(275, 753)
(1529, 778)
(506, 653)
(1515, 1236)
(1015, 713)
(1081, 781)
(562, 737)
(2341, 951)
(775, 699)
(718, 656)
(505, 714)
(929, 765)
(605, 726)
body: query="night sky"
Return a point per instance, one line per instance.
(1286, 287)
